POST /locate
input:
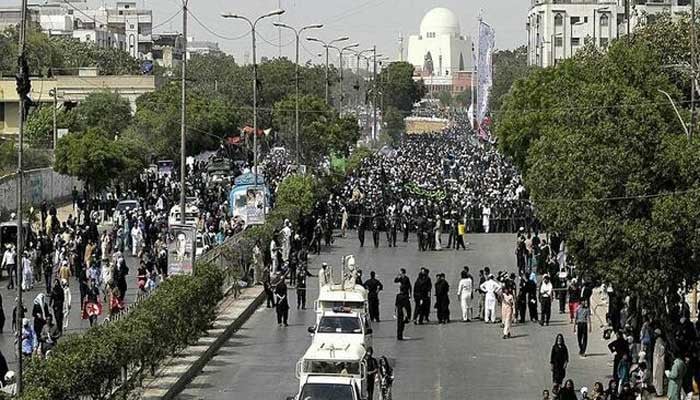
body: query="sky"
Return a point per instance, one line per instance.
(367, 22)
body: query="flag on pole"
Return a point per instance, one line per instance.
(487, 41)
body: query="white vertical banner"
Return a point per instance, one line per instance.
(487, 41)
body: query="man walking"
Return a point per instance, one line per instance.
(491, 288)
(583, 326)
(546, 292)
(465, 293)
(373, 287)
(442, 299)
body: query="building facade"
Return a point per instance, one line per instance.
(71, 89)
(440, 53)
(556, 29)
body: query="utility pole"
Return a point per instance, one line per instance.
(693, 71)
(54, 93)
(374, 93)
(183, 161)
(23, 89)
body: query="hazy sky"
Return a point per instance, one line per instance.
(367, 22)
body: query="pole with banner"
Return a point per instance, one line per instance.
(487, 42)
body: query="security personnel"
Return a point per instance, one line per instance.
(302, 273)
(361, 230)
(403, 312)
(376, 221)
(373, 287)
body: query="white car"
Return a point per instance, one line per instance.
(342, 324)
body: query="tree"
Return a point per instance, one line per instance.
(39, 128)
(106, 111)
(446, 99)
(398, 88)
(394, 125)
(157, 121)
(508, 67)
(606, 166)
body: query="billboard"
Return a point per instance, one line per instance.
(181, 249)
(255, 205)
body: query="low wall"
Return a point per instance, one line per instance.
(39, 185)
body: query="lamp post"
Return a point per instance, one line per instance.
(297, 33)
(341, 50)
(571, 37)
(325, 45)
(54, 94)
(358, 55)
(597, 10)
(255, 80)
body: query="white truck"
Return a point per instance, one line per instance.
(332, 371)
(342, 323)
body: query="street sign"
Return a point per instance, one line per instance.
(181, 249)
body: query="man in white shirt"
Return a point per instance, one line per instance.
(546, 293)
(465, 293)
(9, 263)
(491, 288)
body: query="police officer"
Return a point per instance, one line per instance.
(302, 273)
(403, 312)
(376, 221)
(361, 229)
(373, 287)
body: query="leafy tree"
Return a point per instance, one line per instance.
(508, 66)
(90, 156)
(394, 124)
(39, 128)
(106, 111)
(157, 121)
(605, 165)
(446, 99)
(398, 88)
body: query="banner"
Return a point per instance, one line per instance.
(255, 206)
(487, 41)
(181, 249)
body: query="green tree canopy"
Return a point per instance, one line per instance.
(106, 111)
(399, 89)
(508, 67)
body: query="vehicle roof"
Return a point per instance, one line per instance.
(131, 201)
(337, 293)
(341, 380)
(188, 208)
(349, 314)
(335, 350)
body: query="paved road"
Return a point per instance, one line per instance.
(454, 361)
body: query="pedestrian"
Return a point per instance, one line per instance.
(568, 391)
(403, 311)
(659, 366)
(282, 303)
(258, 263)
(421, 296)
(442, 299)
(343, 222)
(28, 337)
(583, 326)
(546, 294)
(302, 274)
(3, 370)
(507, 305)
(623, 370)
(267, 287)
(67, 298)
(372, 369)
(675, 378)
(373, 286)
(27, 272)
(619, 347)
(92, 307)
(40, 312)
(465, 294)
(491, 288)
(574, 293)
(361, 229)
(559, 359)
(404, 283)
(9, 263)
(611, 391)
(57, 302)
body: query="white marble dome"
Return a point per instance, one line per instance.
(439, 21)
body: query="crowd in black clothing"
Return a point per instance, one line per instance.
(447, 177)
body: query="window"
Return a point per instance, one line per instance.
(604, 19)
(131, 26)
(2, 114)
(87, 38)
(575, 41)
(575, 20)
(558, 20)
(585, 20)
(558, 41)
(683, 2)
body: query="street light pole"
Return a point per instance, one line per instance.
(340, 56)
(297, 33)
(23, 89)
(255, 80)
(54, 94)
(326, 45)
(374, 93)
(183, 130)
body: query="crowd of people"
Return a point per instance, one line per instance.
(432, 184)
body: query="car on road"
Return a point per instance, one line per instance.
(191, 215)
(329, 388)
(126, 206)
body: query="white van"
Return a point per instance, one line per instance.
(342, 324)
(191, 215)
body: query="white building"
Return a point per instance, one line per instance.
(556, 29)
(440, 49)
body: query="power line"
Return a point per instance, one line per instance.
(92, 17)
(167, 20)
(206, 28)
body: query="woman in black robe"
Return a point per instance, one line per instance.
(559, 359)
